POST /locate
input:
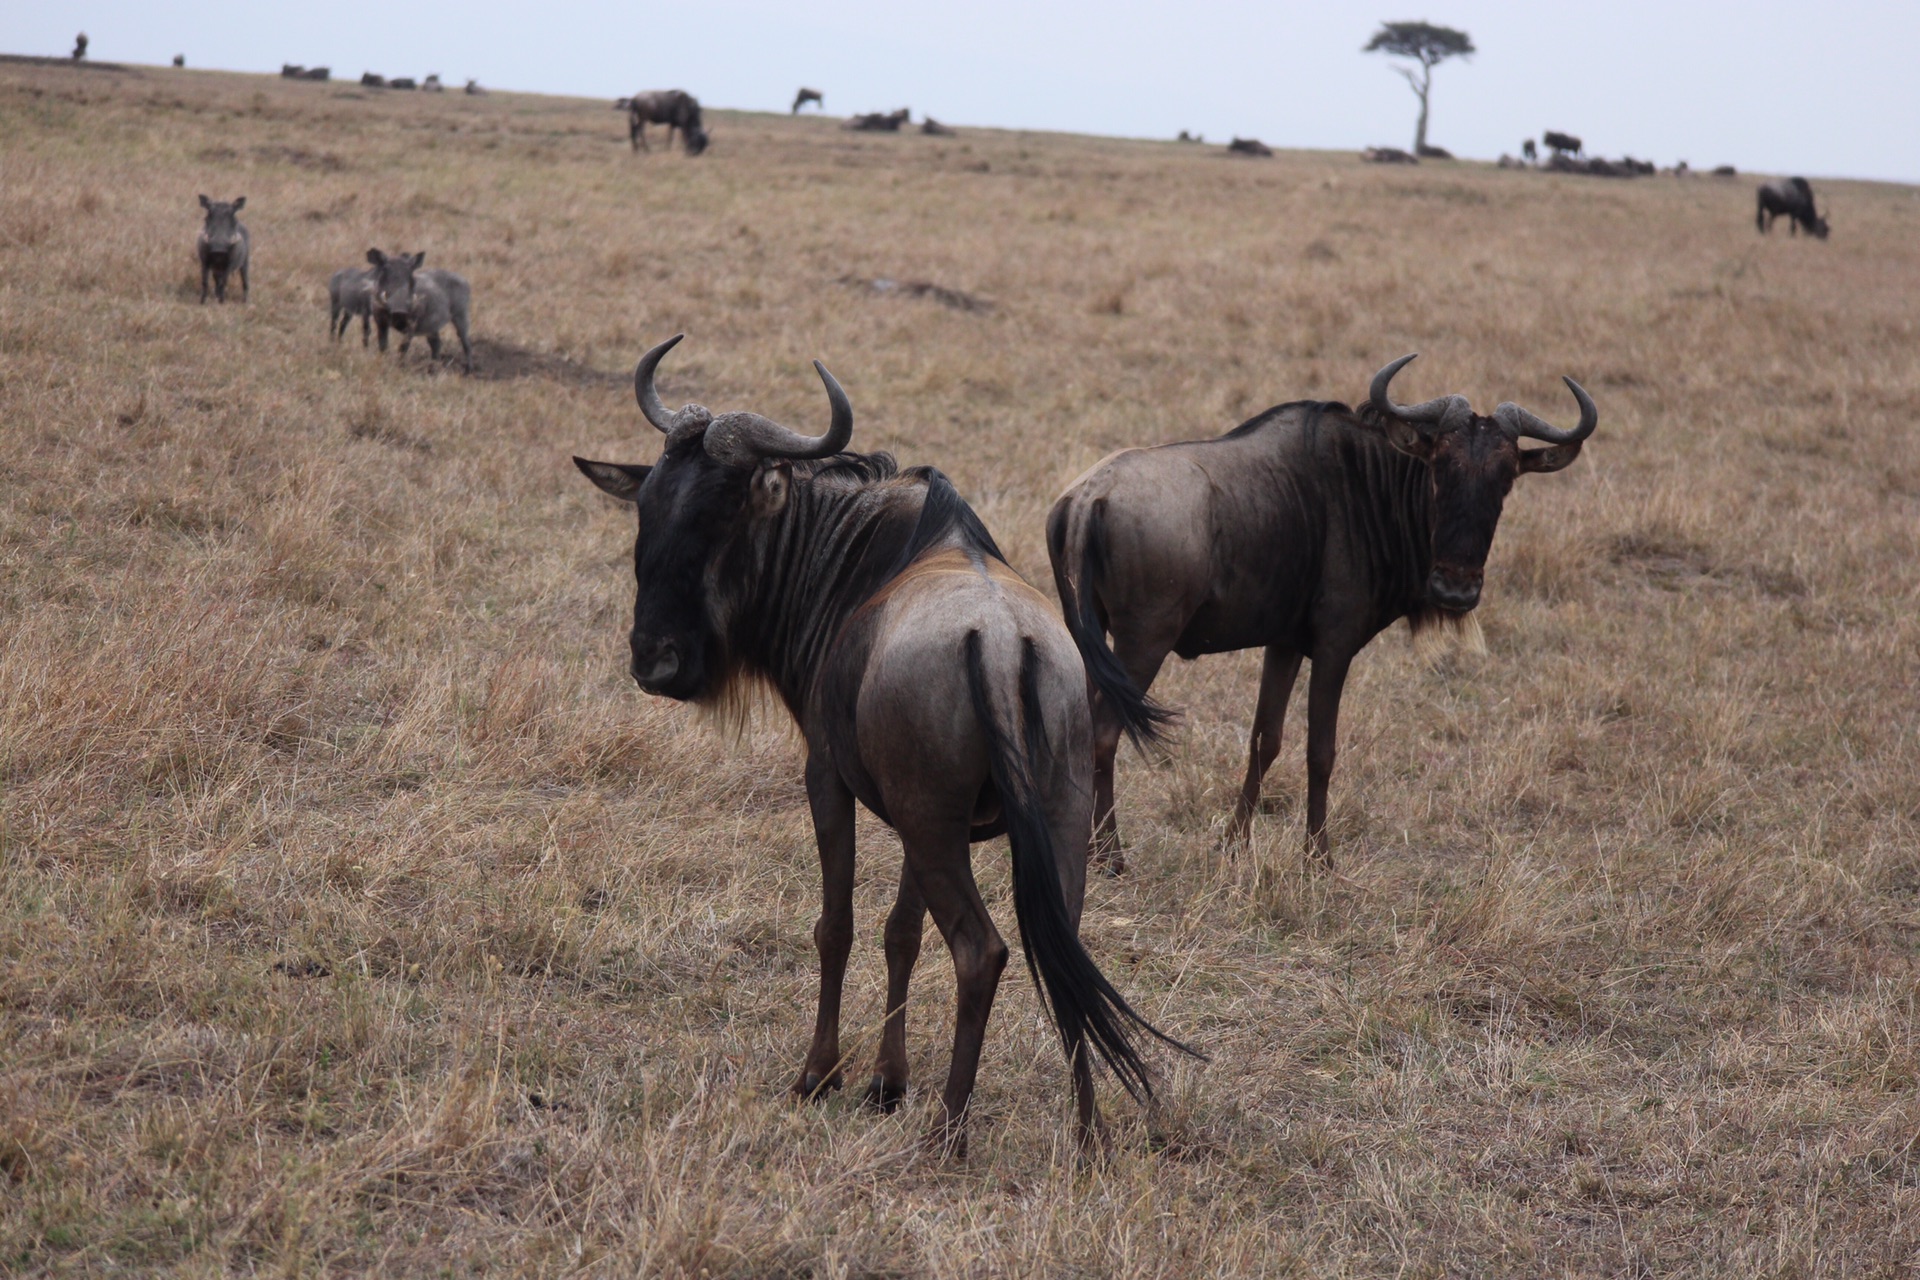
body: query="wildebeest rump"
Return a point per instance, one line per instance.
(1307, 530)
(930, 682)
(805, 96)
(350, 294)
(419, 302)
(223, 246)
(674, 108)
(1791, 198)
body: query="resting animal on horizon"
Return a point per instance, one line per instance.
(1306, 531)
(929, 682)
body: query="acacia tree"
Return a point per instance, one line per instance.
(1428, 46)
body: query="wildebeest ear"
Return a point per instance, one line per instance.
(1407, 440)
(1551, 459)
(771, 484)
(205, 203)
(376, 257)
(239, 203)
(616, 478)
(419, 257)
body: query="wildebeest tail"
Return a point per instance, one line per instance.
(1084, 1006)
(1140, 716)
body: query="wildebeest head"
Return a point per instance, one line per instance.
(695, 139)
(393, 283)
(222, 227)
(717, 478)
(1472, 460)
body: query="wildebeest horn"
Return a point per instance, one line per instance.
(1521, 423)
(643, 391)
(742, 439)
(1431, 415)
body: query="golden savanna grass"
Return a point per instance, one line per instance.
(357, 915)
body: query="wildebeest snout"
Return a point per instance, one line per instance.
(655, 663)
(1454, 588)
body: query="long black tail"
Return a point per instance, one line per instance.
(1083, 1005)
(1140, 716)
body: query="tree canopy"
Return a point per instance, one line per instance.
(1424, 42)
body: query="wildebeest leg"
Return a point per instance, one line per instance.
(904, 925)
(1324, 685)
(832, 805)
(1277, 674)
(938, 858)
(1142, 662)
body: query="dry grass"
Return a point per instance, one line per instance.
(358, 916)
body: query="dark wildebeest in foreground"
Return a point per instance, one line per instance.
(805, 96)
(1307, 530)
(223, 246)
(674, 108)
(350, 294)
(419, 302)
(1791, 198)
(1248, 147)
(878, 121)
(929, 681)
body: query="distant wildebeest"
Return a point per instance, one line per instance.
(1562, 142)
(1189, 137)
(402, 82)
(179, 59)
(1388, 155)
(1529, 152)
(80, 46)
(473, 87)
(1791, 198)
(1725, 171)
(805, 96)
(1248, 147)
(419, 302)
(674, 108)
(432, 84)
(223, 246)
(318, 73)
(292, 71)
(929, 682)
(371, 81)
(879, 121)
(1307, 530)
(350, 294)
(933, 128)
(1427, 151)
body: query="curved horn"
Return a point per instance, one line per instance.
(742, 439)
(643, 390)
(1429, 415)
(1521, 423)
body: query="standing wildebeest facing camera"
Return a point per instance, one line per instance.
(419, 302)
(930, 682)
(223, 246)
(1306, 530)
(674, 108)
(805, 96)
(1791, 198)
(350, 294)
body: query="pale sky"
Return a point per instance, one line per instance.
(1815, 87)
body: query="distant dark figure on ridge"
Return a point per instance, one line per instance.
(1248, 147)
(223, 247)
(318, 73)
(402, 82)
(1189, 137)
(432, 84)
(879, 121)
(179, 59)
(1562, 142)
(370, 80)
(474, 89)
(1790, 198)
(80, 46)
(674, 108)
(805, 96)
(1529, 152)
(292, 71)
(934, 128)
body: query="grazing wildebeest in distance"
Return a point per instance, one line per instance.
(419, 302)
(805, 96)
(1791, 198)
(292, 71)
(929, 682)
(1307, 530)
(1529, 152)
(223, 246)
(318, 73)
(879, 121)
(1562, 142)
(1248, 147)
(674, 108)
(350, 294)
(371, 81)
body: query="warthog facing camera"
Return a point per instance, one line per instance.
(419, 302)
(222, 246)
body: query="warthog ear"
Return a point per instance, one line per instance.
(376, 257)
(239, 203)
(772, 482)
(205, 203)
(1552, 459)
(419, 258)
(616, 478)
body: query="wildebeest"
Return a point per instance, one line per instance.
(674, 108)
(179, 59)
(1529, 152)
(934, 129)
(1388, 155)
(419, 302)
(432, 84)
(929, 682)
(292, 71)
(350, 294)
(1562, 142)
(223, 246)
(318, 73)
(80, 46)
(371, 81)
(1725, 171)
(1791, 198)
(1248, 147)
(879, 121)
(473, 87)
(1189, 137)
(805, 96)
(1307, 530)
(402, 82)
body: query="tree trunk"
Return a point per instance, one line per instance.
(1420, 130)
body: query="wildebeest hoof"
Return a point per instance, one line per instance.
(1108, 859)
(882, 1095)
(812, 1087)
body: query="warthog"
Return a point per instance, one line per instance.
(1248, 147)
(350, 294)
(674, 108)
(1791, 198)
(419, 302)
(805, 96)
(878, 121)
(222, 246)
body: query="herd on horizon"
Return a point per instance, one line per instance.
(935, 686)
